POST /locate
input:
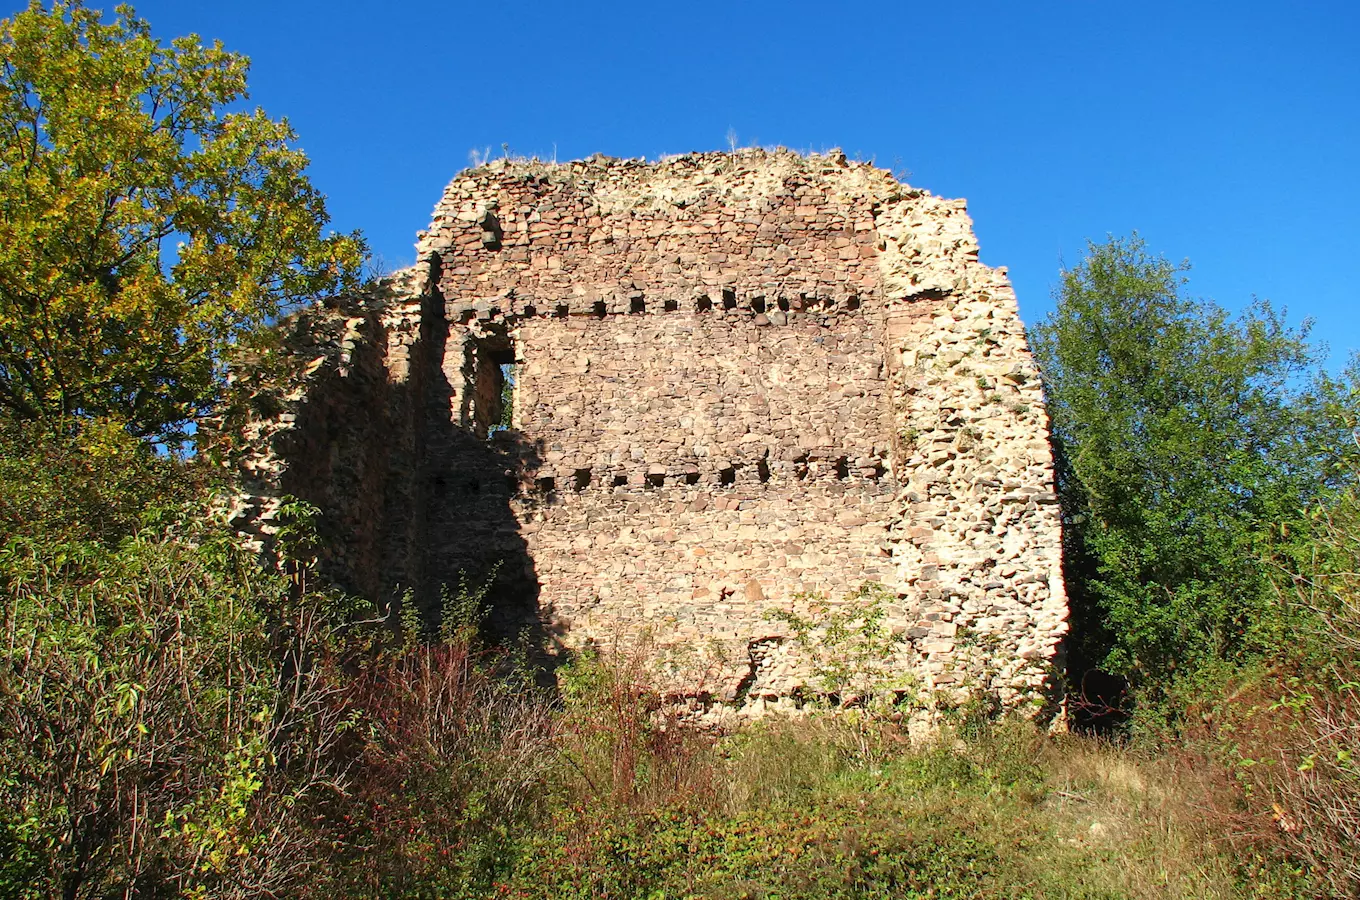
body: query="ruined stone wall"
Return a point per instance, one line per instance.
(703, 466)
(739, 379)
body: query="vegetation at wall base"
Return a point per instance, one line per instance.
(597, 795)
(240, 734)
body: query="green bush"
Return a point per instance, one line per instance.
(165, 712)
(157, 727)
(624, 745)
(1188, 445)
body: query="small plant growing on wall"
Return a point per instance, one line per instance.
(977, 659)
(851, 648)
(969, 437)
(463, 609)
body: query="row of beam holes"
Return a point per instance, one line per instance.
(638, 305)
(840, 465)
(472, 487)
(582, 478)
(729, 301)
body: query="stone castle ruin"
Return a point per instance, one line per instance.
(655, 402)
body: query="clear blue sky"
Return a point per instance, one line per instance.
(1226, 133)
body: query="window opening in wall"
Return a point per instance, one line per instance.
(729, 299)
(842, 468)
(582, 479)
(758, 304)
(656, 479)
(783, 304)
(600, 309)
(620, 481)
(671, 305)
(493, 387)
(509, 374)
(852, 303)
(547, 484)
(763, 470)
(562, 311)
(637, 305)
(703, 304)
(727, 475)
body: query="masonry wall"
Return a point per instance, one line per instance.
(702, 466)
(740, 380)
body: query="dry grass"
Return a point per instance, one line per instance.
(1155, 823)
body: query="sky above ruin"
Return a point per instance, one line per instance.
(1228, 134)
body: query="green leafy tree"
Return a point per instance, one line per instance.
(1189, 443)
(149, 226)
